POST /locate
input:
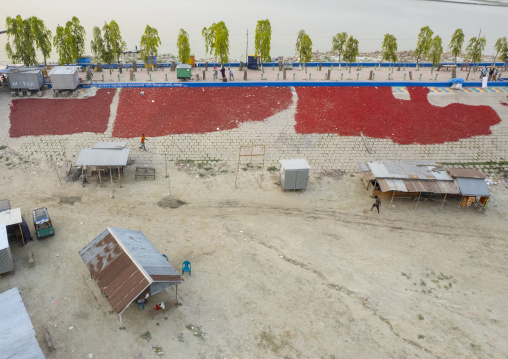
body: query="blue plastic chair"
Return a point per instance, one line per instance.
(141, 305)
(186, 267)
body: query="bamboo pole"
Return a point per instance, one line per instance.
(393, 195)
(418, 199)
(444, 199)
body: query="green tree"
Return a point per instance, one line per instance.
(474, 49)
(456, 43)
(63, 44)
(69, 41)
(263, 39)
(501, 47)
(303, 46)
(184, 49)
(217, 41)
(97, 44)
(424, 43)
(22, 48)
(149, 43)
(351, 51)
(436, 50)
(389, 49)
(42, 37)
(77, 34)
(339, 44)
(113, 42)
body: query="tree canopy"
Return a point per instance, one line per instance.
(42, 37)
(27, 36)
(456, 43)
(263, 39)
(150, 42)
(475, 47)
(501, 48)
(113, 42)
(389, 48)
(351, 51)
(303, 46)
(424, 43)
(436, 50)
(339, 44)
(217, 41)
(97, 44)
(184, 49)
(69, 41)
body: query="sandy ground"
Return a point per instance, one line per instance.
(310, 274)
(297, 74)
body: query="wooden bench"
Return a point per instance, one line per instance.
(30, 259)
(145, 175)
(48, 339)
(145, 169)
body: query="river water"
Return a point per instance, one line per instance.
(367, 20)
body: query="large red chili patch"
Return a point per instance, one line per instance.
(165, 111)
(36, 117)
(347, 111)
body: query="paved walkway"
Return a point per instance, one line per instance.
(277, 133)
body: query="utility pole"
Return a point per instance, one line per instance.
(247, 49)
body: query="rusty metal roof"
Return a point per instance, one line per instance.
(425, 170)
(124, 263)
(465, 173)
(415, 186)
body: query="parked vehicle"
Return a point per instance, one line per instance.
(42, 223)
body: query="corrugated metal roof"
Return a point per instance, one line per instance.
(124, 263)
(63, 70)
(408, 170)
(11, 216)
(110, 145)
(103, 157)
(146, 254)
(466, 173)
(25, 70)
(473, 187)
(415, 185)
(368, 176)
(17, 335)
(296, 164)
(4, 205)
(4, 242)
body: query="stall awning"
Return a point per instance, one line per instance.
(473, 187)
(103, 157)
(10, 217)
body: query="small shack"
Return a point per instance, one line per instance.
(64, 77)
(126, 266)
(472, 187)
(104, 158)
(16, 224)
(294, 174)
(26, 78)
(253, 62)
(17, 335)
(407, 179)
(6, 262)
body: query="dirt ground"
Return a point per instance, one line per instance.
(310, 274)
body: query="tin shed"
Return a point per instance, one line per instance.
(64, 77)
(26, 78)
(294, 174)
(126, 265)
(6, 262)
(17, 335)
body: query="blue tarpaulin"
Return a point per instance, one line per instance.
(456, 81)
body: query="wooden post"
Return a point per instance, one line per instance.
(444, 199)
(22, 235)
(393, 195)
(284, 74)
(100, 178)
(418, 199)
(121, 323)
(54, 165)
(111, 174)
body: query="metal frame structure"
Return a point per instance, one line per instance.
(253, 153)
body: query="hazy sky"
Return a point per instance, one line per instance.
(367, 20)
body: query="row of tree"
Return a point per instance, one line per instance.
(107, 44)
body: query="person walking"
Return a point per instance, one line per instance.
(231, 76)
(143, 139)
(491, 72)
(215, 72)
(376, 204)
(484, 71)
(223, 72)
(494, 75)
